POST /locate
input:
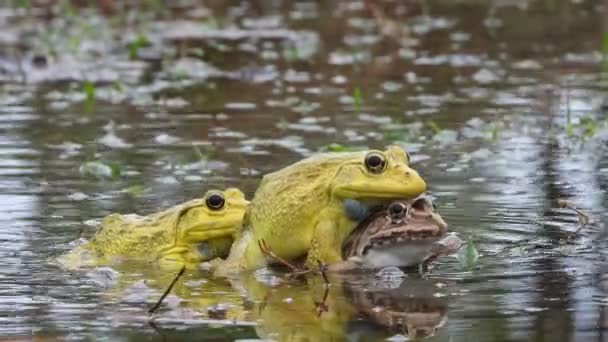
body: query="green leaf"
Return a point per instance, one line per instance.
(135, 190)
(570, 129)
(468, 255)
(335, 147)
(89, 90)
(495, 133)
(96, 169)
(434, 126)
(118, 86)
(198, 152)
(358, 98)
(136, 44)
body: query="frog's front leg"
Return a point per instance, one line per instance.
(331, 229)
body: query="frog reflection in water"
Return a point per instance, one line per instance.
(288, 309)
(185, 234)
(298, 210)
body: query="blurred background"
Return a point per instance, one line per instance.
(134, 106)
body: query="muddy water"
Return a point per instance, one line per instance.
(501, 104)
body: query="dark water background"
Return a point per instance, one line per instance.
(501, 103)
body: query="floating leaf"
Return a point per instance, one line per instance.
(335, 147)
(135, 190)
(198, 152)
(96, 169)
(468, 255)
(570, 130)
(358, 98)
(89, 90)
(495, 133)
(434, 126)
(136, 44)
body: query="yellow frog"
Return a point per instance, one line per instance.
(186, 234)
(299, 210)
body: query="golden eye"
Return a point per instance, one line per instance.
(375, 162)
(215, 201)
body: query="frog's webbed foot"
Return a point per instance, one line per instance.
(427, 265)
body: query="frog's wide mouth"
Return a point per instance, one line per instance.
(205, 232)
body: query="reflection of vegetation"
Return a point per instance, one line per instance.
(605, 51)
(136, 44)
(584, 129)
(357, 98)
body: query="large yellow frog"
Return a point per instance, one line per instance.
(186, 234)
(299, 210)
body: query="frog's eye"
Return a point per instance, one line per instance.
(397, 208)
(215, 201)
(375, 162)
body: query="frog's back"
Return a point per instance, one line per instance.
(289, 197)
(130, 236)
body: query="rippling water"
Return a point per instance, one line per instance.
(502, 105)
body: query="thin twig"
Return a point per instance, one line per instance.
(583, 218)
(323, 269)
(160, 300)
(268, 252)
(322, 305)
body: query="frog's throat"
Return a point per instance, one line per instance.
(355, 210)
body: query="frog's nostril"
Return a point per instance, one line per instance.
(407, 173)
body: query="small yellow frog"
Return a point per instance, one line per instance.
(186, 234)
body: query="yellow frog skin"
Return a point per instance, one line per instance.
(298, 210)
(186, 234)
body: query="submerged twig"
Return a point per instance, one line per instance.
(322, 306)
(268, 252)
(323, 270)
(160, 300)
(584, 219)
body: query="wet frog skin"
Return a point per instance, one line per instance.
(404, 233)
(298, 210)
(186, 234)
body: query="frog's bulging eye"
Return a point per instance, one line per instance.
(215, 201)
(397, 210)
(375, 162)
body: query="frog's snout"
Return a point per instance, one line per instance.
(416, 184)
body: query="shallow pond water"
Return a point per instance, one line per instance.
(126, 108)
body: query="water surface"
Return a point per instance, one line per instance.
(502, 105)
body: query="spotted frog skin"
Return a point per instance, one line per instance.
(404, 233)
(186, 234)
(298, 210)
